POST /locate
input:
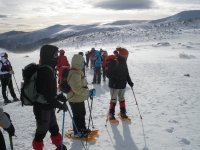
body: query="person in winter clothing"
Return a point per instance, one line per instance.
(87, 55)
(61, 64)
(81, 53)
(46, 85)
(97, 68)
(104, 57)
(6, 72)
(92, 58)
(7, 125)
(78, 94)
(118, 75)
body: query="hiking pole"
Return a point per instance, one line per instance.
(11, 142)
(136, 103)
(63, 124)
(90, 115)
(16, 83)
(74, 124)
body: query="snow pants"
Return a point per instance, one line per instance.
(6, 80)
(2, 142)
(79, 112)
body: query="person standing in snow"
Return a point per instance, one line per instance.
(104, 57)
(97, 68)
(47, 86)
(118, 75)
(61, 64)
(81, 53)
(78, 94)
(6, 72)
(7, 125)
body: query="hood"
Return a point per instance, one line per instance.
(48, 55)
(77, 61)
(3, 54)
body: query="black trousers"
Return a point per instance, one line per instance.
(2, 142)
(97, 75)
(79, 112)
(45, 121)
(6, 80)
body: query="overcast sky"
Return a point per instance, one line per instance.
(28, 15)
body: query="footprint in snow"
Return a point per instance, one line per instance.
(185, 141)
(170, 130)
(173, 121)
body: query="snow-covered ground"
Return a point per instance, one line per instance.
(168, 100)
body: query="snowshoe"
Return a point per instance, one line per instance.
(63, 147)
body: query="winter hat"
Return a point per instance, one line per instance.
(62, 51)
(80, 53)
(4, 54)
(122, 51)
(48, 54)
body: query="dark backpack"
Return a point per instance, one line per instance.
(111, 66)
(29, 94)
(64, 86)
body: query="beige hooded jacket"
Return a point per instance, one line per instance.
(76, 80)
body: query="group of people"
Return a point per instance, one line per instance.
(115, 69)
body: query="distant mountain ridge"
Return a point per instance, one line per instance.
(18, 41)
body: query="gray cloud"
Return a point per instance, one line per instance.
(124, 4)
(3, 16)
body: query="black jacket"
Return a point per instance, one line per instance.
(118, 73)
(46, 78)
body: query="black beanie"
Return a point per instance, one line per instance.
(47, 54)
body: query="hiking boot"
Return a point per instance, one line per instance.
(7, 101)
(85, 132)
(111, 116)
(63, 147)
(15, 99)
(123, 115)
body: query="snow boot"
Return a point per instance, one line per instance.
(112, 111)
(111, 116)
(85, 132)
(6, 101)
(122, 109)
(15, 99)
(63, 147)
(37, 145)
(56, 139)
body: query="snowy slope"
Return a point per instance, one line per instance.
(92, 34)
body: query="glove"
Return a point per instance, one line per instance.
(131, 84)
(92, 92)
(61, 98)
(10, 130)
(116, 53)
(61, 106)
(11, 72)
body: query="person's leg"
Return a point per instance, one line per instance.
(77, 117)
(2, 142)
(56, 137)
(43, 118)
(113, 101)
(11, 89)
(4, 83)
(122, 104)
(95, 76)
(99, 75)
